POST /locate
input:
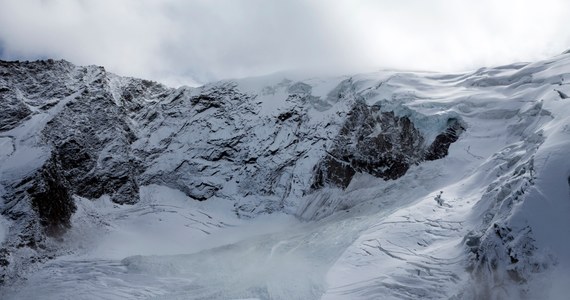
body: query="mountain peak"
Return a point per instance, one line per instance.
(400, 180)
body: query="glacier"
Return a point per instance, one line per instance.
(386, 185)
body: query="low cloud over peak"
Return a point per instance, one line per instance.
(190, 42)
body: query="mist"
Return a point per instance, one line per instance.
(193, 42)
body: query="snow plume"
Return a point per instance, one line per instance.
(190, 42)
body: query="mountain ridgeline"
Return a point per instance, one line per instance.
(314, 148)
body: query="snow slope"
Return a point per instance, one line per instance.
(504, 192)
(488, 220)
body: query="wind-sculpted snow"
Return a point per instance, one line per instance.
(402, 185)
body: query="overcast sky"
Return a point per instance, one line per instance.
(184, 41)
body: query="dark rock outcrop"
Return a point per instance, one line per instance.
(51, 198)
(12, 110)
(440, 146)
(94, 145)
(40, 208)
(381, 144)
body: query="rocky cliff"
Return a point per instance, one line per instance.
(106, 135)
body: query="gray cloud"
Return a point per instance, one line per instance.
(181, 42)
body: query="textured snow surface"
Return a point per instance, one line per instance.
(489, 221)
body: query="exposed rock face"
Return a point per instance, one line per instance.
(12, 111)
(51, 198)
(40, 206)
(27, 85)
(100, 134)
(209, 131)
(440, 146)
(381, 144)
(94, 147)
(78, 141)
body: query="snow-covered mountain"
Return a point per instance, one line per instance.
(388, 185)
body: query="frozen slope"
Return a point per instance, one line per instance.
(502, 222)
(375, 186)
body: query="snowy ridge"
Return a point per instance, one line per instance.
(409, 185)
